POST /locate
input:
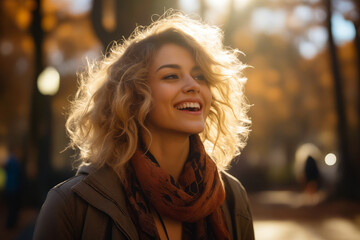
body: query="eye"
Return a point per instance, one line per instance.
(200, 77)
(171, 76)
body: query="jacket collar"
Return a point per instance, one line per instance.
(102, 189)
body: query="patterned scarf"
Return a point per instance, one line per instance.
(195, 199)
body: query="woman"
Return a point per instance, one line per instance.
(140, 119)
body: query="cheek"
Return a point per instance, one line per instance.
(160, 96)
(162, 99)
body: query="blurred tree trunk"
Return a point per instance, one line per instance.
(356, 23)
(39, 149)
(347, 186)
(128, 14)
(202, 9)
(231, 23)
(356, 148)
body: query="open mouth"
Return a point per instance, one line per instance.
(189, 106)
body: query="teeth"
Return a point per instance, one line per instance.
(188, 105)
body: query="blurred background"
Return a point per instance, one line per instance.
(301, 166)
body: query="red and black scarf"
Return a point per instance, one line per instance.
(195, 199)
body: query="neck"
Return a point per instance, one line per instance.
(171, 151)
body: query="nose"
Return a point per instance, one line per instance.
(191, 85)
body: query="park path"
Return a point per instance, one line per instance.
(286, 215)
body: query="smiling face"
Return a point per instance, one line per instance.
(181, 95)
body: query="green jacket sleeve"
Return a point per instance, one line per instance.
(238, 209)
(61, 215)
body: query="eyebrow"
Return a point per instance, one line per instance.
(176, 67)
(168, 66)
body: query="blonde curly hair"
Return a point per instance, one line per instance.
(114, 98)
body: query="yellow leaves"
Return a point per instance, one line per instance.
(50, 7)
(331, 119)
(49, 22)
(326, 80)
(20, 12)
(243, 41)
(253, 85)
(347, 52)
(264, 82)
(353, 117)
(23, 18)
(29, 4)
(27, 44)
(291, 82)
(272, 76)
(258, 61)
(274, 94)
(108, 15)
(311, 102)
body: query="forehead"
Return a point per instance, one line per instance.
(171, 53)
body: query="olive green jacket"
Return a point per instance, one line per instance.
(92, 205)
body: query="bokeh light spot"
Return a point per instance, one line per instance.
(330, 159)
(49, 81)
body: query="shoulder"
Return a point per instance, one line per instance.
(236, 195)
(61, 213)
(236, 209)
(62, 195)
(63, 192)
(63, 189)
(233, 183)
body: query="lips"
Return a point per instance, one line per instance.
(190, 106)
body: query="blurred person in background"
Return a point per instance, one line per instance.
(157, 122)
(311, 175)
(13, 184)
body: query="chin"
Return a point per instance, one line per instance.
(195, 130)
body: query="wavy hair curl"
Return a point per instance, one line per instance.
(113, 100)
